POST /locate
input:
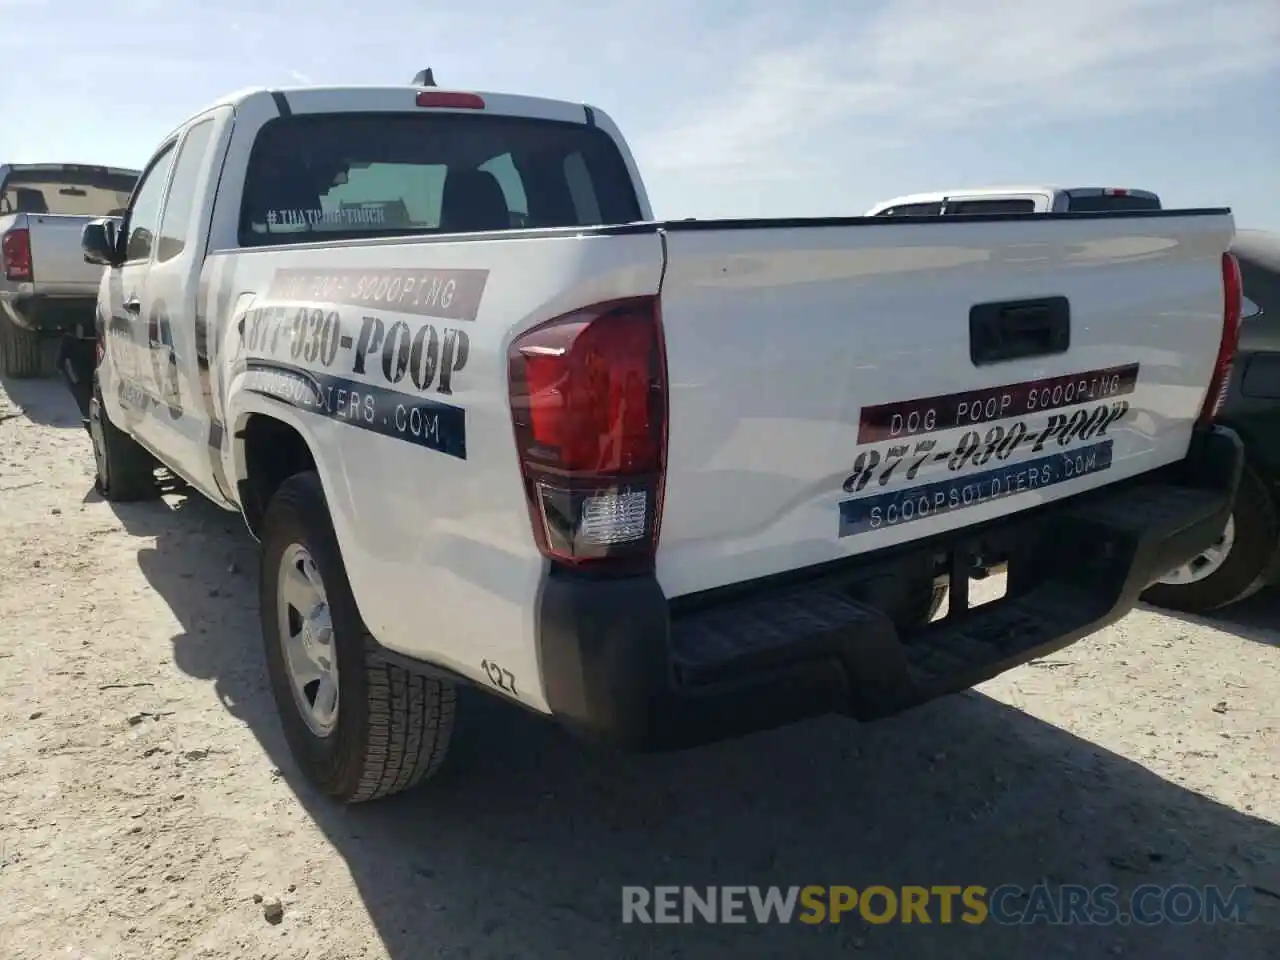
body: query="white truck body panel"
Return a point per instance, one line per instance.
(780, 338)
(765, 415)
(406, 550)
(55, 250)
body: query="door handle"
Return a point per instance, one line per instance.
(1019, 330)
(133, 305)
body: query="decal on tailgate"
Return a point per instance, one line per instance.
(865, 514)
(925, 457)
(912, 418)
(977, 448)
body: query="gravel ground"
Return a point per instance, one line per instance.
(147, 803)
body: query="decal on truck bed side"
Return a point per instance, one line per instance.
(444, 294)
(314, 338)
(305, 348)
(428, 423)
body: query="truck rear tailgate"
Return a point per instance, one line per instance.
(58, 264)
(839, 389)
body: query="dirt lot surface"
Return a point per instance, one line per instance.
(147, 801)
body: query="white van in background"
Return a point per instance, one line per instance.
(1036, 199)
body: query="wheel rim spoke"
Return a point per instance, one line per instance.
(1208, 562)
(306, 638)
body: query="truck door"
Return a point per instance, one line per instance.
(178, 375)
(125, 376)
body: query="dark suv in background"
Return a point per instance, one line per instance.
(1247, 558)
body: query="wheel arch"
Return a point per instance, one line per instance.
(268, 448)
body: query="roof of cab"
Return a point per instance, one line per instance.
(103, 168)
(373, 93)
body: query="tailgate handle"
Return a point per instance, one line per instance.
(1019, 329)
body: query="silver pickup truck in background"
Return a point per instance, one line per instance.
(46, 287)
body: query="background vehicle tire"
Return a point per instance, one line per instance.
(76, 362)
(936, 600)
(21, 351)
(1243, 562)
(124, 471)
(359, 728)
(924, 598)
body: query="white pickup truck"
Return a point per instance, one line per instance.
(46, 288)
(667, 482)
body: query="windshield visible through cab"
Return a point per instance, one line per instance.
(344, 176)
(66, 191)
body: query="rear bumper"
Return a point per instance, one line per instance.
(50, 313)
(622, 664)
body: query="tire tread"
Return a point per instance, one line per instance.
(130, 468)
(409, 717)
(1253, 564)
(21, 351)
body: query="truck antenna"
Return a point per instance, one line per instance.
(423, 78)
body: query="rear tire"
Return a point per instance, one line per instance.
(21, 356)
(1251, 562)
(387, 729)
(123, 470)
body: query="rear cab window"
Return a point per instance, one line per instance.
(315, 177)
(1108, 202)
(66, 190)
(995, 205)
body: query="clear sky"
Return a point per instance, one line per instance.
(803, 108)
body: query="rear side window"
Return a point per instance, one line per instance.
(961, 207)
(1103, 203)
(344, 176)
(180, 206)
(912, 210)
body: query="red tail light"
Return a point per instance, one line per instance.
(1232, 296)
(16, 249)
(589, 406)
(450, 99)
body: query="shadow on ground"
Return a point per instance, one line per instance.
(521, 848)
(43, 400)
(1256, 619)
